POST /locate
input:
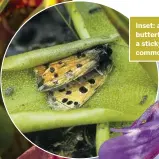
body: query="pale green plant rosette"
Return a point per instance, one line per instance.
(118, 100)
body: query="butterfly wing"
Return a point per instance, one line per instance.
(66, 70)
(76, 93)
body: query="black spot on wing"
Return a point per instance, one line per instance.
(69, 102)
(79, 65)
(75, 103)
(68, 92)
(64, 100)
(60, 62)
(55, 75)
(83, 89)
(91, 81)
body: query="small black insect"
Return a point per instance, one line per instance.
(9, 91)
(143, 100)
(94, 10)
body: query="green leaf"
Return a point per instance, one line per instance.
(50, 54)
(126, 87)
(122, 92)
(102, 134)
(121, 23)
(36, 121)
(128, 82)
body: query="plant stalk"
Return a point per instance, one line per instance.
(37, 121)
(50, 54)
(102, 134)
(77, 20)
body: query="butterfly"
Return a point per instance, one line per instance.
(71, 81)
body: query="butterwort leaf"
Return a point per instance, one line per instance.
(151, 114)
(140, 141)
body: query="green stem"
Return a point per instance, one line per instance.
(120, 22)
(45, 55)
(36, 121)
(69, 26)
(102, 134)
(77, 20)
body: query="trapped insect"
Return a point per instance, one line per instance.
(71, 81)
(9, 91)
(143, 100)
